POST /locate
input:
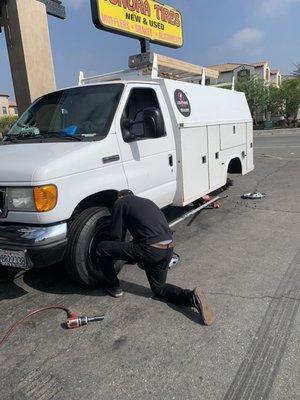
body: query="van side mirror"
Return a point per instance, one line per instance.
(126, 125)
(152, 125)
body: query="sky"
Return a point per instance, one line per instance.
(215, 32)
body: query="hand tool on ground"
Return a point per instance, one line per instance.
(73, 321)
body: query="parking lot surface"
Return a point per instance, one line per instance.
(246, 255)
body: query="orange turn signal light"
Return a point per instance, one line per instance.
(45, 197)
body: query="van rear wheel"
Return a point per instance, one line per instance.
(88, 229)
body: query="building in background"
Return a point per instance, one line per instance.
(239, 72)
(7, 108)
(276, 77)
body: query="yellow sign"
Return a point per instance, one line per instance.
(144, 19)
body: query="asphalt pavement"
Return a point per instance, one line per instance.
(246, 255)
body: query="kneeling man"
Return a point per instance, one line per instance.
(152, 246)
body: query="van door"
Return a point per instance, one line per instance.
(149, 163)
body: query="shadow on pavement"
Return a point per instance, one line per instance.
(55, 280)
(8, 288)
(135, 289)
(188, 312)
(16, 283)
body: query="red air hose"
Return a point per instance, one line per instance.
(13, 327)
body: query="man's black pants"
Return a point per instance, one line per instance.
(155, 262)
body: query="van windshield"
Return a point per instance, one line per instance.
(82, 113)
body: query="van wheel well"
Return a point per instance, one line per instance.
(235, 166)
(106, 199)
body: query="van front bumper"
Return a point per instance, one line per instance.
(32, 246)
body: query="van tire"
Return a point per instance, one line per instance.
(87, 229)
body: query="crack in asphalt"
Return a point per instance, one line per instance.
(256, 375)
(274, 172)
(267, 209)
(253, 297)
(278, 158)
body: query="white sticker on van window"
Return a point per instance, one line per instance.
(182, 103)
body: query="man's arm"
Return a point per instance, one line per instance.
(118, 226)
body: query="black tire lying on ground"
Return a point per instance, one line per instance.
(89, 228)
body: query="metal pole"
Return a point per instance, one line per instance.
(189, 214)
(145, 46)
(203, 80)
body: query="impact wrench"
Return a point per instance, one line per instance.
(81, 321)
(73, 321)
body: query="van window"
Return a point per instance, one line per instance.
(139, 99)
(85, 112)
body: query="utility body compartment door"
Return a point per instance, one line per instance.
(217, 177)
(194, 163)
(233, 135)
(149, 163)
(250, 161)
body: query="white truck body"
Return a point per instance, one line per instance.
(212, 135)
(220, 126)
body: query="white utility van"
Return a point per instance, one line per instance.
(64, 160)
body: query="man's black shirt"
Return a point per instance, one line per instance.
(142, 218)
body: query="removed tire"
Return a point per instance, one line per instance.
(88, 229)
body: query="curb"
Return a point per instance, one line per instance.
(277, 132)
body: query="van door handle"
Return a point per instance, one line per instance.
(110, 159)
(171, 160)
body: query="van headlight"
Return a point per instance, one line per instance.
(20, 199)
(40, 198)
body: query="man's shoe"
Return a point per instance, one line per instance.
(115, 292)
(201, 303)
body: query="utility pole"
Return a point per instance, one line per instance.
(29, 49)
